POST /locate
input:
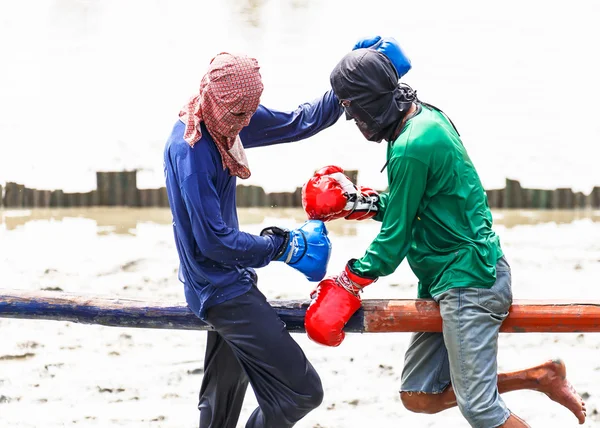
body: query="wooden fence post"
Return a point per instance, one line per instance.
(37, 198)
(271, 202)
(44, 199)
(103, 188)
(84, 199)
(276, 200)
(118, 188)
(258, 197)
(540, 198)
(242, 196)
(513, 196)
(527, 195)
(595, 197)
(580, 200)
(151, 197)
(68, 200)
(93, 198)
(77, 199)
(155, 197)
(143, 197)
(495, 198)
(163, 197)
(546, 199)
(130, 188)
(28, 197)
(289, 199)
(297, 197)
(57, 199)
(536, 198)
(563, 198)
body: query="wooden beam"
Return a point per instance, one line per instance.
(376, 316)
(526, 316)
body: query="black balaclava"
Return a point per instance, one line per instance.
(366, 83)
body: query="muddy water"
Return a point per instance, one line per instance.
(58, 374)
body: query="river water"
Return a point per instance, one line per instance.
(89, 85)
(58, 374)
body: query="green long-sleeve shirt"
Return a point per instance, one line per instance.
(435, 212)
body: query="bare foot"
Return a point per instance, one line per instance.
(553, 382)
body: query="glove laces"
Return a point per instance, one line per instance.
(355, 199)
(349, 285)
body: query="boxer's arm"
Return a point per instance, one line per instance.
(408, 180)
(269, 126)
(214, 238)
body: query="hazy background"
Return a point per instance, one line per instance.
(97, 84)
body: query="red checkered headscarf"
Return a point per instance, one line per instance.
(229, 95)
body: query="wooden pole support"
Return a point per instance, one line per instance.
(513, 194)
(595, 197)
(131, 191)
(376, 316)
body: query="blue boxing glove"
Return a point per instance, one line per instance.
(306, 249)
(390, 48)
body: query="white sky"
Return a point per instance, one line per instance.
(97, 84)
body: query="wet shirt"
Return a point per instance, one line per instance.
(435, 212)
(217, 260)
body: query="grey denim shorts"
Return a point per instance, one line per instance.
(465, 354)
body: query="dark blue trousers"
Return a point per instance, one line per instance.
(251, 344)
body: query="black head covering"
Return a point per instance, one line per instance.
(366, 83)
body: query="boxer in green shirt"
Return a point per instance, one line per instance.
(435, 214)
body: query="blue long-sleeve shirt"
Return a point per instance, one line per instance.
(216, 258)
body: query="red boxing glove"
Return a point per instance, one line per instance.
(323, 196)
(333, 303)
(330, 195)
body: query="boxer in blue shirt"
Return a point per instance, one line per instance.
(248, 342)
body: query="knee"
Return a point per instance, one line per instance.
(419, 402)
(315, 395)
(308, 394)
(294, 406)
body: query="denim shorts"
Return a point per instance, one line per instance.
(465, 354)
